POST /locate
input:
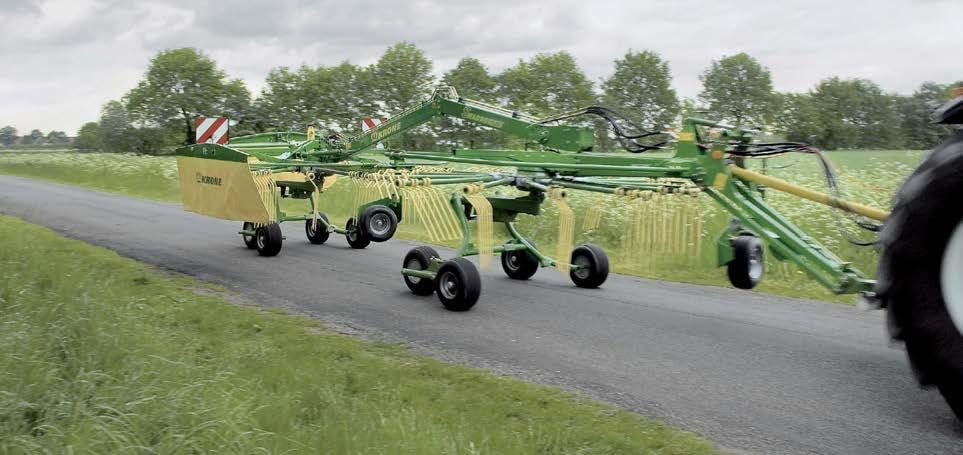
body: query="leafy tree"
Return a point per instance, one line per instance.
(57, 137)
(546, 84)
(345, 95)
(796, 118)
(738, 89)
(87, 136)
(283, 103)
(473, 81)
(115, 132)
(35, 137)
(335, 98)
(402, 77)
(550, 84)
(357, 91)
(181, 84)
(640, 88)
(916, 127)
(8, 135)
(855, 113)
(690, 107)
(149, 140)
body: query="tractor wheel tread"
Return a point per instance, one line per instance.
(913, 241)
(740, 268)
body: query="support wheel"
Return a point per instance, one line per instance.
(747, 264)
(356, 238)
(458, 284)
(249, 240)
(379, 223)
(520, 264)
(591, 266)
(920, 277)
(420, 259)
(268, 239)
(317, 233)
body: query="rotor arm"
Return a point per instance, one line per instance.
(445, 102)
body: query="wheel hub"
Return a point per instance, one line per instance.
(951, 277)
(584, 267)
(379, 224)
(448, 285)
(513, 261)
(755, 264)
(352, 234)
(413, 264)
(247, 227)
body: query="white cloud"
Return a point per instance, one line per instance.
(62, 59)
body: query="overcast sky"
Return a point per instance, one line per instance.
(62, 59)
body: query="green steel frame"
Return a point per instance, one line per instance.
(560, 156)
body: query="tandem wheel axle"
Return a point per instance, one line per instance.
(376, 223)
(457, 282)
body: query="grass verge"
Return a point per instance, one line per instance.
(103, 354)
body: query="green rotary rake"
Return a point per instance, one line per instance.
(448, 194)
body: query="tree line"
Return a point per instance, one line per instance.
(9, 137)
(180, 84)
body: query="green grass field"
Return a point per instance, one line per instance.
(867, 176)
(103, 354)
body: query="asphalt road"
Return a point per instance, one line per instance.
(753, 373)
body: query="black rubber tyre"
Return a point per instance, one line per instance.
(596, 264)
(249, 240)
(458, 284)
(268, 239)
(379, 223)
(520, 264)
(911, 283)
(356, 238)
(748, 262)
(320, 234)
(419, 259)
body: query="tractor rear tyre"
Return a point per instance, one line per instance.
(379, 223)
(920, 277)
(593, 266)
(317, 232)
(748, 262)
(420, 259)
(356, 238)
(458, 284)
(249, 240)
(268, 238)
(520, 264)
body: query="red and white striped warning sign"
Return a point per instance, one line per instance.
(211, 130)
(368, 123)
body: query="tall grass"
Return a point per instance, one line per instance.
(868, 176)
(102, 354)
(146, 176)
